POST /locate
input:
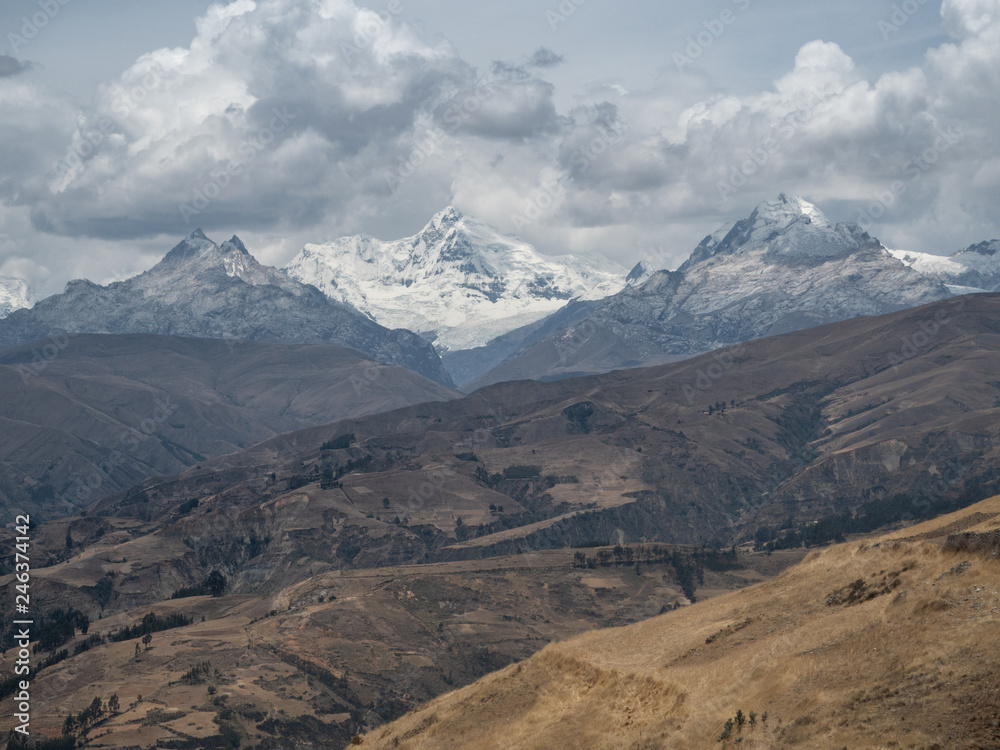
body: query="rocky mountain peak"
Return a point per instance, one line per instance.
(192, 246)
(789, 228)
(235, 244)
(458, 281)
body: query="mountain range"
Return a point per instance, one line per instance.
(974, 269)
(458, 281)
(378, 561)
(471, 306)
(218, 291)
(785, 267)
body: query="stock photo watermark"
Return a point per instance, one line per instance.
(432, 143)
(915, 168)
(561, 13)
(714, 28)
(374, 24)
(899, 17)
(44, 354)
(217, 181)
(741, 172)
(542, 201)
(32, 25)
(91, 140)
(927, 331)
(128, 442)
(706, 378)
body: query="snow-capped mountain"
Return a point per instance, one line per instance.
(784, 268)
(975, 269)
(14, 295)
(458, 281)
(205, 290)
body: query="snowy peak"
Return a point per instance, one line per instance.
(983, 248)
(786, 229)
(640, 273)
(15, 294)
(196, 256)
(201, 289)
(449, 217)
(234, 245)
(974, 269)
(786, 211)
(194, 245)
(457, 281)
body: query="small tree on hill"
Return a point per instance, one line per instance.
(216, 583)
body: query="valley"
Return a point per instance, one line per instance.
(364, 567)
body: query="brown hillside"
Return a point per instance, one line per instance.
(85, 416)
(886, 643)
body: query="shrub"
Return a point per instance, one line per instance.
(525, 471)
(338, 443)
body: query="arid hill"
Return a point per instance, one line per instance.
(807, 436)
(445, 540)
(881, 643)
(87, 415)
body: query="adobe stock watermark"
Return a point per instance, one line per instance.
(714, 28)
(899, 17)
(128, 442)
(46, 353)
(432, 143)
(541, 201)
(91, 140)
(915, 169)
(742, 171)
(926, 332)
(31, 26)
(373, 25)
(707, 377)
(561, 13)
(217, 181)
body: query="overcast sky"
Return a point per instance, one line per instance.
(629, 129)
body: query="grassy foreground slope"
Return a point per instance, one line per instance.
(883, 643)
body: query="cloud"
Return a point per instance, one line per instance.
(303, 119)
(544, 58)
(279, 111)
(912, 155)
(264, 116)
(11, 66)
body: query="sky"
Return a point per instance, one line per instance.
(626, 129)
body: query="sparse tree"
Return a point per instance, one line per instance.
(147, 639)
(216, 583)
(741, 719)
(113, 704)
(137, 651)
(94, 711)
(753, 718)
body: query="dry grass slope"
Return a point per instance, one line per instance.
(884, 643)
